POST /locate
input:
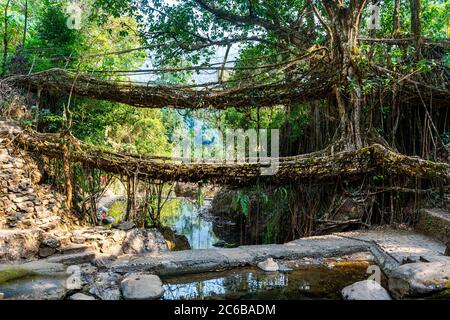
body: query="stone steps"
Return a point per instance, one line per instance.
(74, 248)
(74, 258)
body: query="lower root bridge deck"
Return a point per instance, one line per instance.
(315, 166)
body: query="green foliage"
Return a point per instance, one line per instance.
(241, 203)
(200, 197)
(117, 210)
(281, 192)
(378, 178)
(57, 41)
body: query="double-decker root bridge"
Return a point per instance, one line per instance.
(305, 85)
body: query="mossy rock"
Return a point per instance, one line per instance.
(12, 274)
(441, 295)
(175, 242)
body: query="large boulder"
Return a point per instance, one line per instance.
(365, 290)
(105, 286)
(415, 279)
(19, 244)
(137, 286)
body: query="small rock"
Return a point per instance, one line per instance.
(107, 293)
(365, 290)
(220, 244)
(81, 296)
(415, 279)
(268, 265)
(124, 225)
(88, 268)
(87, 273)
(45, 252)
(52, 243)
(138, 286)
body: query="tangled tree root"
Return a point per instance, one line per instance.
(346, 164)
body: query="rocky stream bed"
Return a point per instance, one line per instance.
(334, 266)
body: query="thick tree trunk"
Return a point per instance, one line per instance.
(67, 175)
(67, 159)
(396, 20)
(416, 25)
(348, 90)
(25, 27)
(5, 38)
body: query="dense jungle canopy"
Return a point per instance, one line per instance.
(359, 90)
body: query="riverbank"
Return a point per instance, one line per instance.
(392, 250)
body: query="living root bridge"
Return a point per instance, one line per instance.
(305, 87)
(349, 164)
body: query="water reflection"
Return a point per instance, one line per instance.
(184, 217)
(306, 283)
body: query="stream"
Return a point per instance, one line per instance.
(182, 215)
(186, 219)
(308, 282)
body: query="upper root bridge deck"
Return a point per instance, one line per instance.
(304, 87)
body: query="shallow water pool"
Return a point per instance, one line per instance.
(309, 282)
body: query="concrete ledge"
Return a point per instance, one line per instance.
(391, 248)
(435, 223)
(195, 261)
